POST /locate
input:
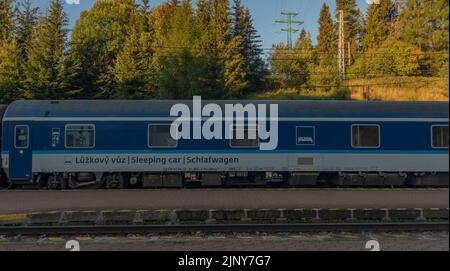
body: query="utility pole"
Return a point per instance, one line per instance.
(290, 29)
(341, 46)
(349, 48)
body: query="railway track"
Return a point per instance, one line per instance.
(225, 228)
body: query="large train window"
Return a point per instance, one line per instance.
(21, 137)
(365, 136)
(440, 136)
(80, 136)
(245, 137)
(159, 136)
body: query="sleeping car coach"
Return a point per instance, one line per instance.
(126, 144)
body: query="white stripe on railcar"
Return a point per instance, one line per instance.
(326, 162)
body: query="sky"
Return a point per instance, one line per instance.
(264, 13)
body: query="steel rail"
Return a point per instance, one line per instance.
(224, 228)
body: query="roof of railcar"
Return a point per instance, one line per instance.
(161, 108)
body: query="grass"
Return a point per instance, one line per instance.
(381, 89)
(400, 89)
(294, 94)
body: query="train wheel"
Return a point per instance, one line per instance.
(42, 181)
(4, 184)
(96, 185)
(116, 181)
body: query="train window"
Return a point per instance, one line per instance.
(159, 136)
(250, 137)
(365, 136)
(80, 136)
(440, 136)
(21, 137)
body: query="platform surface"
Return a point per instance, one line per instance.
(13, 201)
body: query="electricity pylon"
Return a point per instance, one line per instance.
(290, 29)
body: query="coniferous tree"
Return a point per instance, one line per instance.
(378, 23)
(327, 36)
(133, 70)
(98, 37)
(414, 23)
(229, 50)
(48, 73)
(251, 45)
(425, 24)
(304, 59)
(27, 18)
(324, 73)
(160, 18)
(10, 73)
(144, 12)
(212, 66)
(6, 20)
(179, 72)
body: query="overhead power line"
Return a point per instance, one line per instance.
(289, 22)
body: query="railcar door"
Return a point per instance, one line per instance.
(21, 154)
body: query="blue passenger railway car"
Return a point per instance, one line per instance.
(3, 180)
(118, 144)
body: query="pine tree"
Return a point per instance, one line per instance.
(6, 20)
(378, 23)
(324, 74)
(144, 13)
(180, 72)
(98, 37)
(133, 70)
(327, 36)
(425, 24)
(26, 23)
(10, 74)
(229, 50)
(304, 56)
(211, 66)
(47, 71)
(440, 24)
(251, 46)
(414, 23)
(235, 72)
(160, 17)
(134, 73)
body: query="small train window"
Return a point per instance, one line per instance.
(159, 136)
(365, 136)
(21, 137)
(80, 136)
(440, 136)
(245, 137)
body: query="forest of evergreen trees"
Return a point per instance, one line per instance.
(126, 50)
